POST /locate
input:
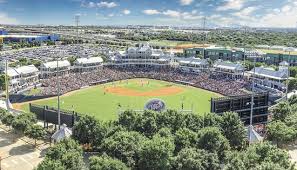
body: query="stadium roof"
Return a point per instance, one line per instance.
(269, 73)
(27, 69)
(21, 70)
(228, 65)
(53, 64)
(193, 61)
(89, 60)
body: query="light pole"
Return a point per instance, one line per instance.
(6, 84)
(252, 102)
(58, 92)
(288, 72)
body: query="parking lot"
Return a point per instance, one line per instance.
(19, 154)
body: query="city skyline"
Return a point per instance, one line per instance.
(222, 13)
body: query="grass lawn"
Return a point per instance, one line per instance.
(104, 105)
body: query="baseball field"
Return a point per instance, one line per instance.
(106, 100)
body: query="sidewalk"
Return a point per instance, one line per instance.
(19, 154)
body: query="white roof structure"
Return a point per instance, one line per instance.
(27, 69)
(193, 61)
(53, 64)
(253, 136)
(11, 72)
(61, 134)
(269, 73)
(92, 60)
(228, 66)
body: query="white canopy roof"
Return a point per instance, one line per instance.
(27, 69)
(269, 73)
(193, 61)
(61, 134)
(228, 66)
(53, 64)
(11, 72)
(91, 60)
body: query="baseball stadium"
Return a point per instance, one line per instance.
(138, 79)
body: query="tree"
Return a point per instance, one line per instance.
(88, 130)
(293, 100)
(49, 164)
(212, 140)
(129, 119)
(171, 119)
(211, 119)
(292, 84)
(269, 166)
(234, 161)
(106, 163)
(148, 123)
(193, 159)
(72, 161)
(233, 129)
(7, 119)
(124, 146)
(67, 145)
(155, 153)
(23, 121)
(185, 138)
(35, 132)
(280, 133)
(2, 82)
(281, 111)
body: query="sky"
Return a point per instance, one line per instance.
(222, 13)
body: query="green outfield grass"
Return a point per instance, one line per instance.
(104, 105)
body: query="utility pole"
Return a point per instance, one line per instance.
(288, 74)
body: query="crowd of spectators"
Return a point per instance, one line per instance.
(211, 81)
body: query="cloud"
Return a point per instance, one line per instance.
(231, 5)
(102, 4)
(186, 2)
(245, 13)
(126, 11)
(5, 19)
(2, 1)
(107, 4)
(172, 13)
(151, 12)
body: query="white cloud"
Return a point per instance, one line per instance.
(105, 4)
(2, 1)
(186, 2)
(245, 13)
(5, 19)
(151, 12)
(231, 5)
(126, 11)
(172, 13)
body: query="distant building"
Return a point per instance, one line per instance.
(22, 77)
(269, 78)
(50, 68)
(234, 70)
(88, 64)
(192, 65)
(141, 56)
(29, 38)
(215, 53)
(3, 31)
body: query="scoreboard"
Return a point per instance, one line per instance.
(242, 105)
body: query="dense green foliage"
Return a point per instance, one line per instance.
(67, 154)
(35, 132)
(106, 163)
(172, 140)
(226, 38)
